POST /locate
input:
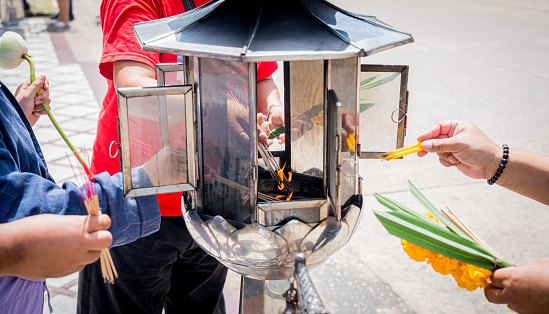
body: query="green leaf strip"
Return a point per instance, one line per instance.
(367, 80)
(379, 83)
(423, 200)
(436, 242)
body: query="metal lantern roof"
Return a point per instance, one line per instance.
(268, 30)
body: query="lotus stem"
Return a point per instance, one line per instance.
(55, 124)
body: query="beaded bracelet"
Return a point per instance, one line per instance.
(501, 165)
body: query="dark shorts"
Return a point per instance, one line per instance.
(165, 270)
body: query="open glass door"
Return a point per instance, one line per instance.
(383, 108)
(153, 121)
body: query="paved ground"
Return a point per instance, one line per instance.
(483, 61)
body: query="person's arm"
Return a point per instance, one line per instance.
(267, 95)
(30, 104)
(25, 194)
(133, 74)
(48, 246)
(525, 288)
(462, 145)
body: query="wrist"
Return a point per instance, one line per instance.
(504, 153)
(272, 108)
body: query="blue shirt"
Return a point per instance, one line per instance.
(26, 188)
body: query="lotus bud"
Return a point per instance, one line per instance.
(12, 49)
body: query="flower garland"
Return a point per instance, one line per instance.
(467, 276)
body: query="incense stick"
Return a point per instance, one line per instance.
(235, 185)
(91, 202)
(455, 219)
(108, 270)
(402, 152)
(273, 167)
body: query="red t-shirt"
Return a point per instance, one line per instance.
(120, 43)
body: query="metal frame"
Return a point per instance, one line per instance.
(134, 92)
(402, 108)
(252, 109)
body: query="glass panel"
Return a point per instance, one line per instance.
(224, 97)
(344, 76)
(147, 137)
(170, 74)
(382, 100)
(307, 114)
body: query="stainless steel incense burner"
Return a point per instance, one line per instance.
(337, 111)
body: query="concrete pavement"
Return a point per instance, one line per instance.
(483, 61)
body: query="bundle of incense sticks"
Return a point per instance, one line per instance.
(274, 169)
(91, 201)
(351, 143)
(402, 152)
(235, 185)
(448, 213)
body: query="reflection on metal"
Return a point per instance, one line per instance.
(268, 253)
(221, 230)
(257, 246)
(201, 233)
(324, 240)
(354, 169)
(292, 232)
(351, 220)
(282, 30)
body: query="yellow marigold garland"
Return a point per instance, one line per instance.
(467, 276)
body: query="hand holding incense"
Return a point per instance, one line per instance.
(402, 152)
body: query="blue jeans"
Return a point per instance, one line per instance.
(165, 270)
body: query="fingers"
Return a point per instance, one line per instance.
(500, 275)
(494, 295)
(89, 257)
(445, 145)
(444, 128)
(36, 85)
(96, 223)
(99, 240)
(495, 292)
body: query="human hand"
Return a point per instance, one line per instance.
(167, 167)
(463, 145)
(32, 105)
(263, 129)
(238, 121)
(525, 288)
(348, 122)
(49, 246)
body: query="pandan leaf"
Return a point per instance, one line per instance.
(276, 132)
(396, 206)
(379, 82)
(368, 80)
(365, 104)
(397, 229)
(415, 228)
(423, 200)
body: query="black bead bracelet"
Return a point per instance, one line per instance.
(501, 165)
